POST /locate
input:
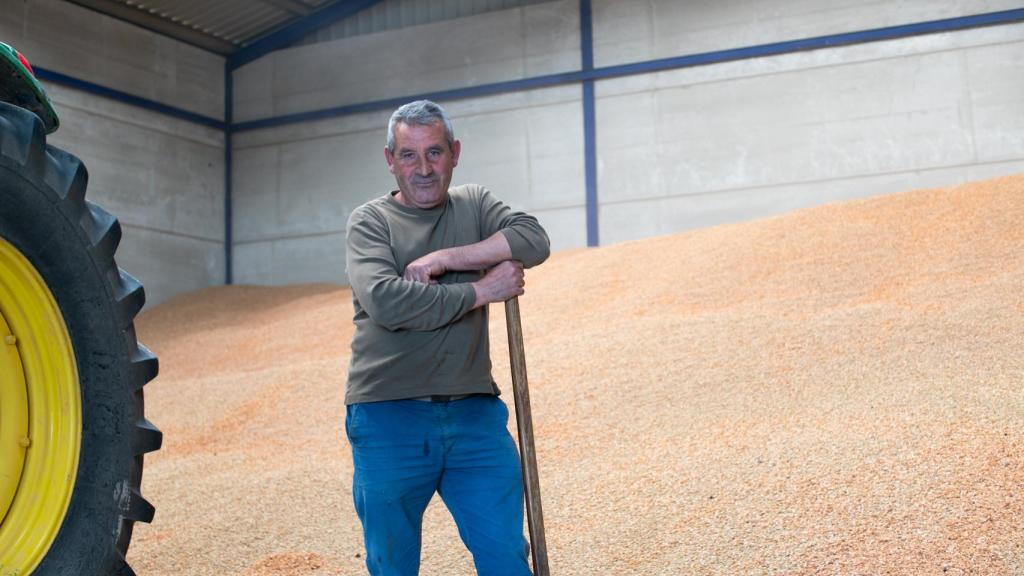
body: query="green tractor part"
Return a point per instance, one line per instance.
(18, 86)
(72, 426)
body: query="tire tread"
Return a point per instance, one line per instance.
(62, 179)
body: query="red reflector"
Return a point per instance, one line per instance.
(25, 63)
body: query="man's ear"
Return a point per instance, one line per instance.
(390, 159)
(456, 149)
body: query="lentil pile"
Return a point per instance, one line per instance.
(838, 390)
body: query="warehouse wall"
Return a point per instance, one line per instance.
(736, 141)
(296, 185)
(676, 150)
(162, 177)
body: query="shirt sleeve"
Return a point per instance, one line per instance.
(388, 299)
(527, 239)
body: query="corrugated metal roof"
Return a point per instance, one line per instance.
(393, 14)
(227, 26)
(222, 26)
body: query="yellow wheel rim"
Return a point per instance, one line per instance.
(13, 417)
(40, 415)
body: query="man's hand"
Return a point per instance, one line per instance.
(426, 268)
(500, 283)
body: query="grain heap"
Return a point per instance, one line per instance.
(836, 390)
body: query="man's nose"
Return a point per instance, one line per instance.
(423, 168)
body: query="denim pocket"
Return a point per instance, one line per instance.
(503, 409)
(351, 414)
(496, 409)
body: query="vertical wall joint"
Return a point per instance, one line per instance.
(229, 103)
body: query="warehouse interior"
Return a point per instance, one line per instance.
(233, 140)
(778, 332)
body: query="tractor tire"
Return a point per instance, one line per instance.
(72, 429)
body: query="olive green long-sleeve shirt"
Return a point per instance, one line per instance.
(414, 339)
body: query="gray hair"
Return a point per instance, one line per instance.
(420, 113)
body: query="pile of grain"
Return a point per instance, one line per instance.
(838, 390)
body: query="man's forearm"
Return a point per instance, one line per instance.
(480, 256)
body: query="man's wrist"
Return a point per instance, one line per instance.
(481, 294)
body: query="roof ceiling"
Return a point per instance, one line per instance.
(223, 26)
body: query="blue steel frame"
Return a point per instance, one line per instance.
(586, 76)
(72, 82)
(297, 30)
(589, 122)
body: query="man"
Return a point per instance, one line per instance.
(423, 414)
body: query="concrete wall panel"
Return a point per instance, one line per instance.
(693, 151)
(318, 177)
(319, 258)
(637, 219)
(162, 177)
(255, 184)
(166, 190)
(555, 140)
(169, 265)
(295, 187)
(552, 38)
(495, 154)
(566, 227)
(490, 47)
(293, 197)
(254, 262)
(994, 85)
(144, 176)
(676, 149)
(307, 187)
(253, 87)
(634, 31)
(67, 38)
(805, 60)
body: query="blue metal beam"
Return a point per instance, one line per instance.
(297, 30)
(586, 36)
(589, 123)
(659, 65)
(71, 82)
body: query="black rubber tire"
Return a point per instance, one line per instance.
(71, 243)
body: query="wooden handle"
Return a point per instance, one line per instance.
(527, 452)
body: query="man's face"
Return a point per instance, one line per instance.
(422, 164)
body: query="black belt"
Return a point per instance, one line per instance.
(444, 397)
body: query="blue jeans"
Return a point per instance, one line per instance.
(405, 450)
